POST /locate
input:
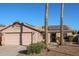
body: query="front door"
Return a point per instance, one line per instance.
(53, 37)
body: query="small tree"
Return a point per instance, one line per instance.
(74, 32)
(2, 25)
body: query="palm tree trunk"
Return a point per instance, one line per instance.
(61, 23)
(46, 25)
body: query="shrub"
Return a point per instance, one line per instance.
(75, 39)
(35, 48)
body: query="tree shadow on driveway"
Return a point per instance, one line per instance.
(23, 51)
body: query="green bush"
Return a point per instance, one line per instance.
(35, 48)
(75, 39)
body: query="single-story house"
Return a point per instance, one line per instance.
(19, 34)
(22, 34)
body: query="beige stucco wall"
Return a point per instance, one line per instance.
(57, 34)
(69, 34)
(37, 37)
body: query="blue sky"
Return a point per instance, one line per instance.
(34, 14)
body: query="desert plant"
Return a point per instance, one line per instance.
(35, 48)
(75, 39)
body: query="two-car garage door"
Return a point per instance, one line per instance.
(14, 39)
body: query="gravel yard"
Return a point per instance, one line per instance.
(65, 50)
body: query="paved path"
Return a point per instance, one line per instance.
(10, 50)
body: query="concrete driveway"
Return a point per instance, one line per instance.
(11, 50)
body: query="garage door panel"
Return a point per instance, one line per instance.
(11, 39)
(26, 37)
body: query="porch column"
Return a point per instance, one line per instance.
(58, 38)
(57, 35)
(48, 38)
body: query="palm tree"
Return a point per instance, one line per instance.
(46, 25)
(61, 23)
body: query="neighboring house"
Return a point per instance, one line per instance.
(22, 34)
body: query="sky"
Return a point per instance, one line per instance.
(34, 14)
